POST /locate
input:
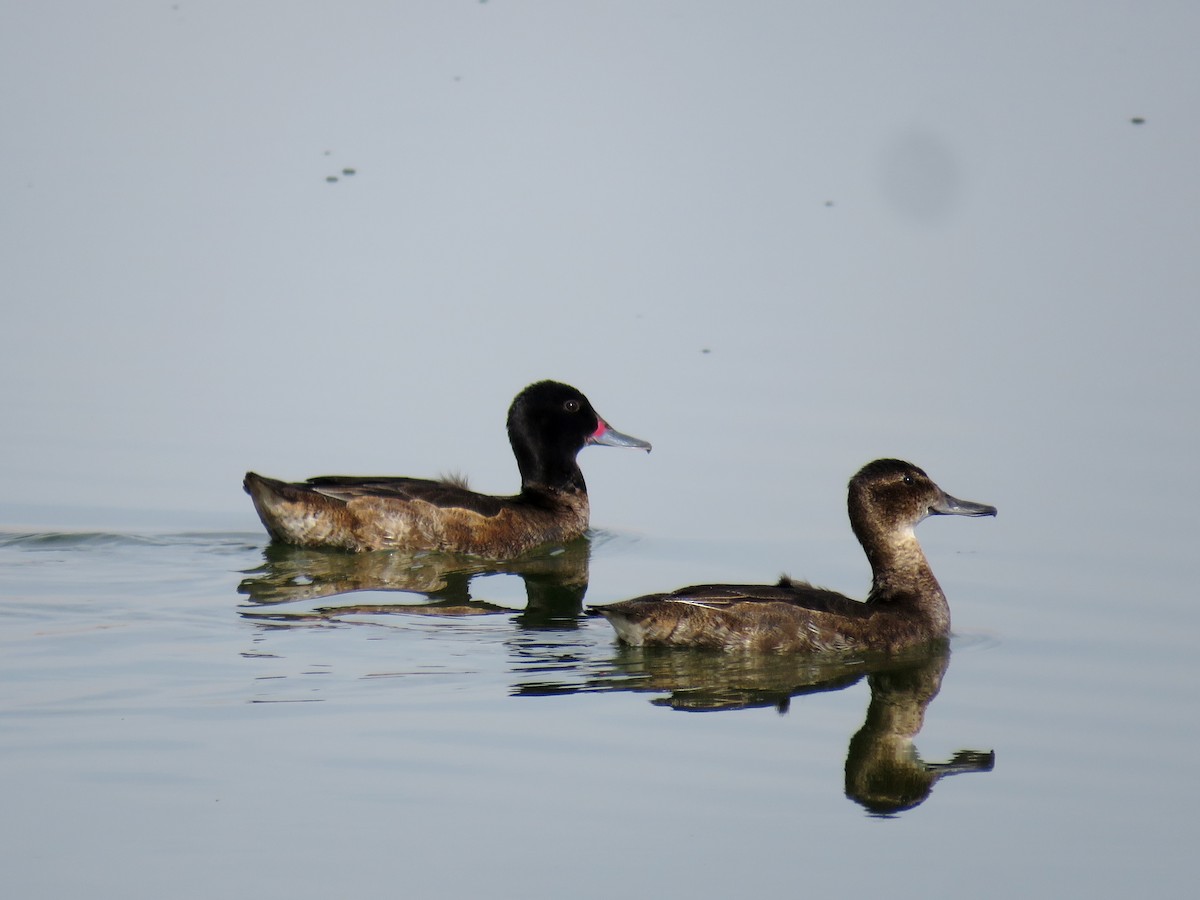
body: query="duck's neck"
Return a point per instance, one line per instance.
(541, 475)
(900, 570)
(546, 469)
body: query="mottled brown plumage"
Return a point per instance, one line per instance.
(548, 424)
(906, 606)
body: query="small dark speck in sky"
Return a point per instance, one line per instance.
(331, 178)
(1138, 120)
(349, 171)
(706, 350)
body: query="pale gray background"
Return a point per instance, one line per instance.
(1003, 288)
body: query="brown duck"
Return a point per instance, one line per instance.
(548, 424)
(906, 606)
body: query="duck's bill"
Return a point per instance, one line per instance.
(608, 436)
(952, 506)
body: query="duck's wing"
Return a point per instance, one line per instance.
(735, 616)
(442, 494)
(794, 595)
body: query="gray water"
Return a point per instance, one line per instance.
(177, 723)
(777, 243)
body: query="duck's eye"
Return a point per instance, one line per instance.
(571, 406)
(908, 479)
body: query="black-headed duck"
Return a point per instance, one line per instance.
(548, 424)
(906, 606)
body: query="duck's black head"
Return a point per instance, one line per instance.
(548, 424)
(890, 496)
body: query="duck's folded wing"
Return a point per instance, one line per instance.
(442, 494)
(790, 594)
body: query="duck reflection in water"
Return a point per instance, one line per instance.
(884, 772)
(555, 577)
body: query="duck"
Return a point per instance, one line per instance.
(548, 424)
(906, 607)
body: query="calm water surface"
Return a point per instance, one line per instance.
(193, 713)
